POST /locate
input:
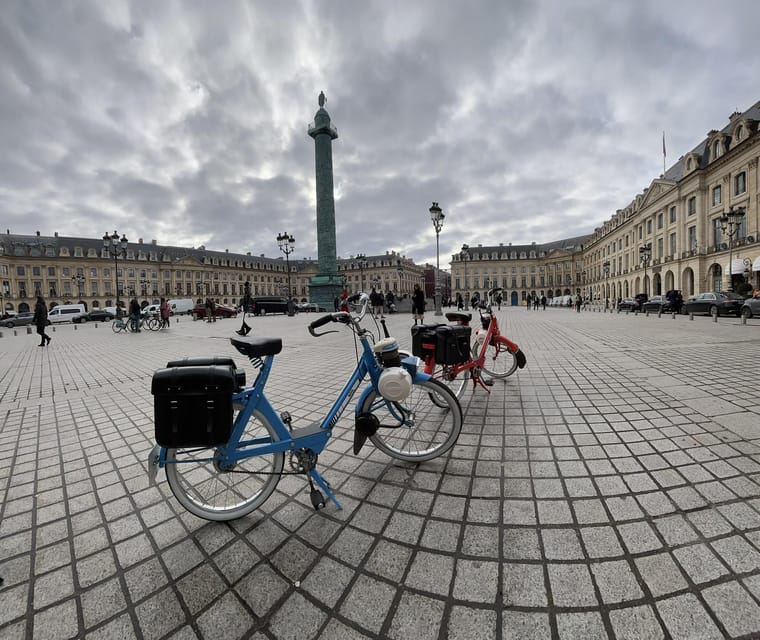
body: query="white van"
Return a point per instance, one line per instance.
(181, 305)
(67, 313)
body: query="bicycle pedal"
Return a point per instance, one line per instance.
(487, 381)
(286, 418)
(317, 499)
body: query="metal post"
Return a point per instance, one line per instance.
(287, 244)
(437, 216)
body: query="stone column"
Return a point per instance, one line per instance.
(327, 284)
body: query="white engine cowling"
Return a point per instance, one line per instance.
(395, 384)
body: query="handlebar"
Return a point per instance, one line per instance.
(344, 317)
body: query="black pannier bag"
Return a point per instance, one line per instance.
(450, 343)
(193, 405)
(424, 339)
(208, 360)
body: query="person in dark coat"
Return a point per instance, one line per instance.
(134, 314)
(418, 304)
(40, 320)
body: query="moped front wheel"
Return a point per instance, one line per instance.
(499, 361)
(208, 489)
(423, 426)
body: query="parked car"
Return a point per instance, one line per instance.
(221, 311)
(658, 304)
(100, 315)
(310, 307)
(270, 304)
(715, 303)
(18, 320)
(751, 307)
(627, 304)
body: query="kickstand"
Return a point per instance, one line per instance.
(316, 497)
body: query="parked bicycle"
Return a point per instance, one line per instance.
(223, 445)
(491, 352)
(147, 321)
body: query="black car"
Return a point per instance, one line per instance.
(658, 304)
(715, 303)
(99, 315)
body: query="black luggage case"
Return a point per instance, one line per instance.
(193, 405)
(452, 344)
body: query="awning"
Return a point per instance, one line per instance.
(756, 264)
(737, 266)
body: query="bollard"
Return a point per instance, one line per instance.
(673, 315)
(28, 330)
(744, 321)
(1, 334)
(75, 327)
(691, 316)
(659, 314)
(715, 318)
(15, 333)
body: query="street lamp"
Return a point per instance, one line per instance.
(361, 262)
(116, 248)
(464, 256)
(437, 216)
(606, 267)
(287, 245)
(645, 253)
(79, 280)
(730, 224)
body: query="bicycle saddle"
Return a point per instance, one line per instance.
(257, 347)
(458, 315)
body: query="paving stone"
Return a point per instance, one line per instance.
(368, 602)
(700, 563)
(476, 581)
(636, 623)
(616, 581)
(161, 614)
(686, 619)
(588, 625)
(416, 616)
(639, 537)
(521, 625)
(389, 560)
(735, 551)
(660, 573)
(59, 621)
(524, 585)
(571, 585)
(601, 542)
(735, 608)
(229, 614)
(431, 572)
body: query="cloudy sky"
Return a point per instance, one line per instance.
(186, 121)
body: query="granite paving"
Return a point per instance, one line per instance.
(611, 489)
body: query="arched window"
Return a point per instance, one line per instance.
(716, 149)
(739, 133)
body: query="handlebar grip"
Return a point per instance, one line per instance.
(321, 321)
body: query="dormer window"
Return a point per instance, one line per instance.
(77, 252)
(716, 150)
(689, 164)
(739, 133)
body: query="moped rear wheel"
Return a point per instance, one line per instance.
(421, 427)
(499, 361)
(208, 490)
(444, 374)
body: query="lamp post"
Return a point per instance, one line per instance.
(606, 267)
(730, 224)
(464, 256)
(361, 263)
(79, 280)
(116, 248)
(287, 244)
(645, 253)
(437, 216)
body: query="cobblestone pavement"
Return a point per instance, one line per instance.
(609, 490)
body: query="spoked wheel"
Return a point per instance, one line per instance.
(117, 326)
(457, 383)
(154, 324)
(211, 490)
(421, 427)
(499, 362)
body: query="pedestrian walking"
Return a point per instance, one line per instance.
(543, 302)
(376, 300)
(578, 302)
(211, 310)
(134, 314)
(460, 302)
(165, 311)
(418, 304)
(40, 320)
(344, 299)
